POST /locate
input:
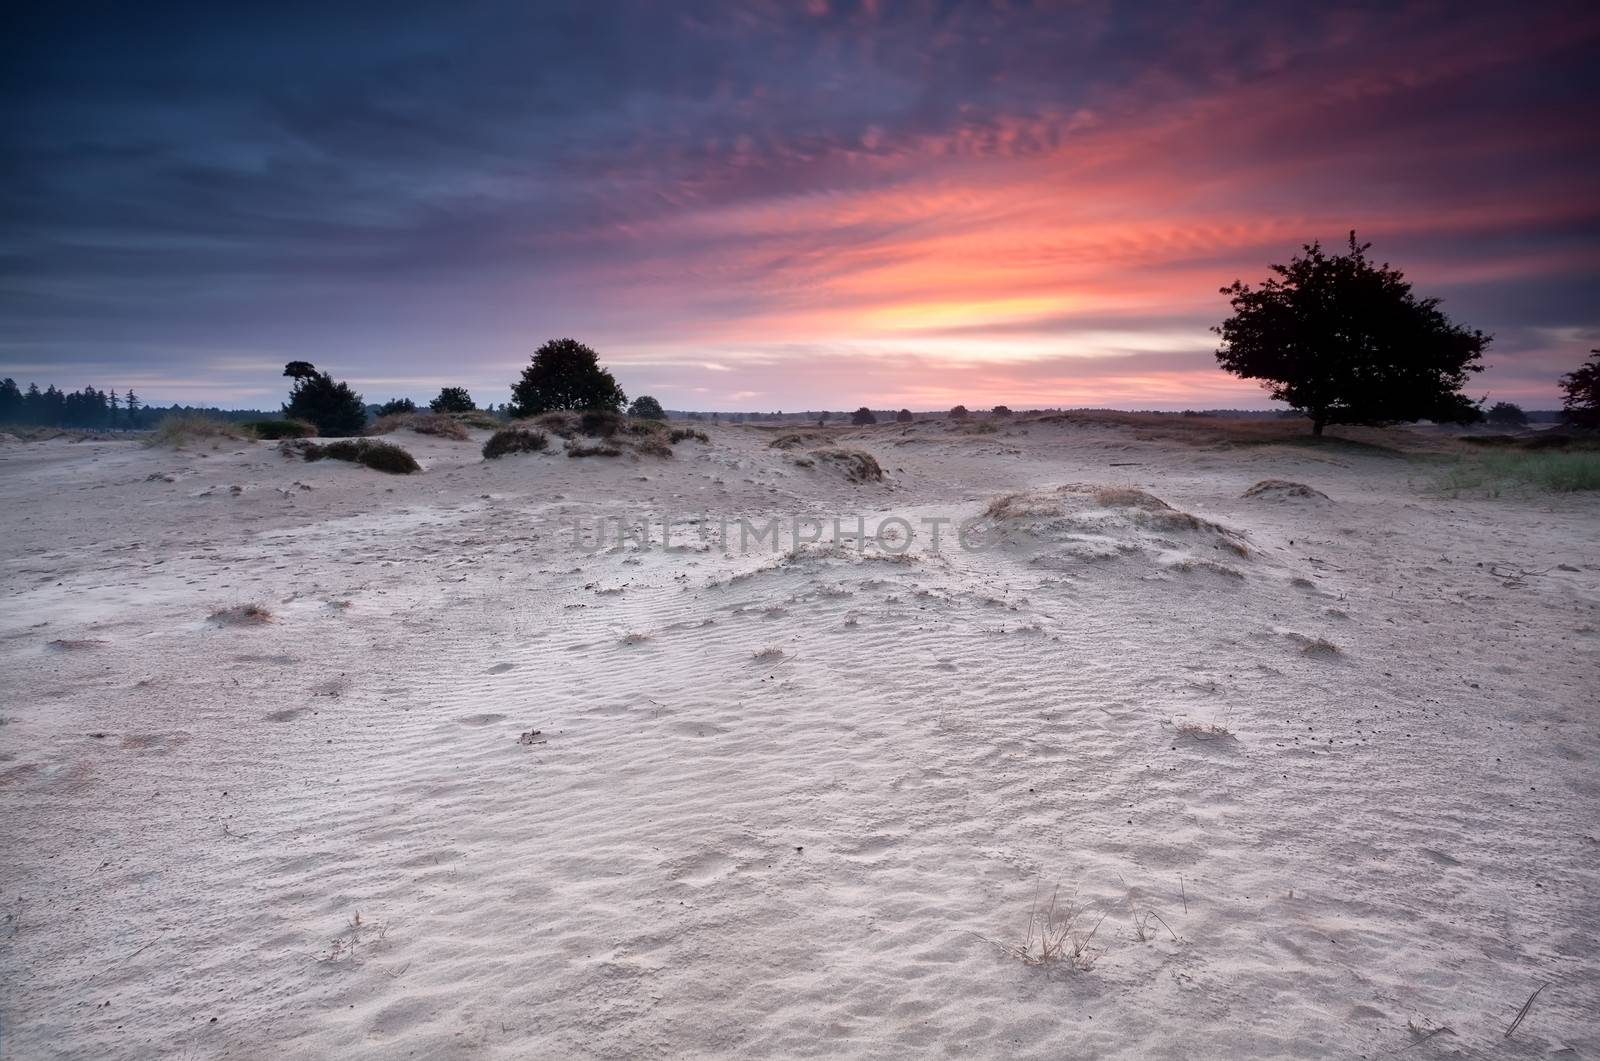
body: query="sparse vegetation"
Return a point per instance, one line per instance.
(684, 434)
(858, 466)
(437, 424)
(514, 440)
(184, 429)
(242, 615)
(593, 449)
(373, 453)
(274, 430)
(1057, 934)
(1496, 472)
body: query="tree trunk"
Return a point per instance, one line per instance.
(1317, 423)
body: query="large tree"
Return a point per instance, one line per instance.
(1346, 341)
(320, 399)
(1581, 406)
(452, 400)
(564, 374)
(645, 407)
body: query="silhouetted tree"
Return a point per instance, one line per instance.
(113, 401)
(1581, 406)
(1000, 410)
(862, 417)
(958, 413)
(645, 407)
(131, 402)
(903, 416)
(452, 400)
(565, 374)
(10, 401)
(1507, 414)
(397, 405)
(320, 399)
(1346, 342)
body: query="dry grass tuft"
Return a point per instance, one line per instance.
(684, 434)
(181, 429)
(242, 615)
(514, 440)
(593, 449)
(857, 465)
(1283, 489)
(439, 424)
(1056, 935)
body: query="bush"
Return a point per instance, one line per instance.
(380, 456)
(565, 374)
(397, 405)
(903, 416)
(452, 400)
(600, 423)
(858, 467)
(318, 398)
(422, 423)
(653, 446)
(514, 440)
(645, 407)
(1507, 414)
(958, 413)
(1001, 411)
(863, 417)
(683, 434)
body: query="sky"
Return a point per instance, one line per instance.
(762, 205)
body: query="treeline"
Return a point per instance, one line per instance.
(93, 409)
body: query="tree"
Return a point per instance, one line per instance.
(862, 417)
(113, 400)
(1000, 410)
(132, 404)
(958, 413)
(565, 374)
(1581, 406)
(903, 416)
(645, 407)
(320, 399)
(10, 401)
(452, 400)
(1346, 342)
(397, 405)
(1507, 414)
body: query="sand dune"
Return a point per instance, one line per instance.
(304, 760)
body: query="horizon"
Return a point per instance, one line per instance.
(756, 207)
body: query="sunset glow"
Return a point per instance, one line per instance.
(759, 207)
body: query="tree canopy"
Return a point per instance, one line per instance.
(903, 416)
(564, 374)
(397, 405)
(958, 413)
(1507, 414)
(452, 400)
(320, 399)
(862, 417)
(645, 407)
(1345, 341)
(1581, 406)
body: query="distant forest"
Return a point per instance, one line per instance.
(92, 409)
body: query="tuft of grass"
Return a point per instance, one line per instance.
(1557, 471)
(593, 449)
(181, 429)
(242, 615)
(514, 440)
(1056, 935)
(440, 424)
(858, 466)
(684, 434)
(274, 430)
(379, 456)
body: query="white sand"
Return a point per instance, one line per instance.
(776, 802)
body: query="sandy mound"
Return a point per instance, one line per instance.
(1077, 524)
(856, 465)
(1284, 490)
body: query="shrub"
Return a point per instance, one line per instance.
(645, 407)
(683, 434)
(1507, 414)
(514, 440)
(1001, 411)
(653, 446)
(397, 405)
(318, 398)
(565, 374)
(273, 430)
(375, 454)
(862, 417)
(422, 423)
(181, 429)
(958, 413)
(452, 400)
(903, 416)
(600, 423)
(857, 466)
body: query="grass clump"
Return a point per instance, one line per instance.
(440, 424)
(1057, 934)
(858, 466)
(181, 429)
(684, 434)
(593, 449)
(242, 615)
(514, 440)
(379, 456)
(1554, 471)
(274, 430)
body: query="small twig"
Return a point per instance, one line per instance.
(1526, 1006)
(1183, 892)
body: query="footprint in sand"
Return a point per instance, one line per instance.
(501, 668)
(487, 719)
